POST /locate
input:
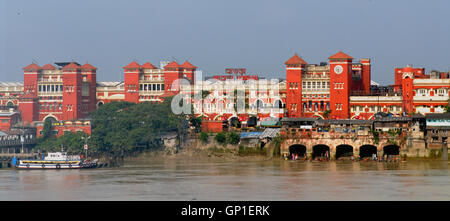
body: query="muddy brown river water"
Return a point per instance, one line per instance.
(209, 179)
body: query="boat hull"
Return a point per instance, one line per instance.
(48, 165)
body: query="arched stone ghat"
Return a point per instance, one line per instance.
(297, 149)
(340, 148)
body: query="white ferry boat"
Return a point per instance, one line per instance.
(57, 160)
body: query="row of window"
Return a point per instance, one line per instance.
(50, 88)
(293, 107)
(375, 108)
(149, 78)
(59, 106)
(311, 85)
(59, 88)
(316, 95)
(149, 97)
(293, 85)
(50, 78)
(439, 92)
(51, 98)
(315, 85)
(222, 106)
(70, 88)
(315, 106)
(437, 131)
(131, 87)
(338, 85)
(50, 106)
(312, 107)
(428, 106)
(151, 87)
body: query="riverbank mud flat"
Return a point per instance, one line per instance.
(197, 154)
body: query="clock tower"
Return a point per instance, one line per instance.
(340, 84)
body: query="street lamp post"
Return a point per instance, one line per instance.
(85, 144)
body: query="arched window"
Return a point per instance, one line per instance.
(259, 104)
(278, 104)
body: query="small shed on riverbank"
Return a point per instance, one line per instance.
(250, 139)
(270, 133)
(170, 141)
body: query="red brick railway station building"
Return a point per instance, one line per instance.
(344, 89)
(67, 91)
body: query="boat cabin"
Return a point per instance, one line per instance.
(56, 156)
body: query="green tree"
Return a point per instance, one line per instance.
(277, 145)
(204, 137)
(221, 138)
(47, 130)
(72, 143)
(196, 122)
(122, 127)
(447, 108)
(233, 138)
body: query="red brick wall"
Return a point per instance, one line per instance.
(212, 126)
(169, 77)
(340, 85)
(72, 97)
(294, 90)
(91, 77)
(366, 75)
(132, 85)
(29, 109)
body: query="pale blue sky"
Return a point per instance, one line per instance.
(214, 35)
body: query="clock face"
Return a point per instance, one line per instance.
(338, 69)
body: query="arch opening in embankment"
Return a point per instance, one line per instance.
(320, 150)
(344, 150)
(367, 151)
(298, 149)
(391, 149)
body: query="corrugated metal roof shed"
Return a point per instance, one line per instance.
(270, 132)
(438, 116)
(393, 119)
(345, 121)
(296, 119)
(250, 135)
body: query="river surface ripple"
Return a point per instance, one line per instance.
(220, 180)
